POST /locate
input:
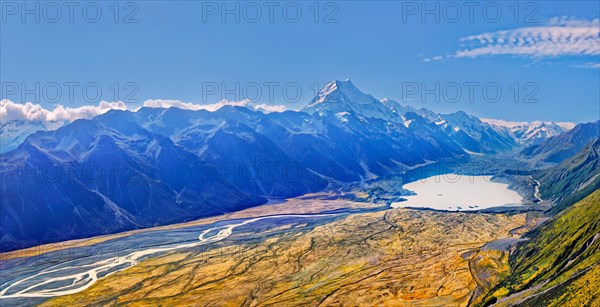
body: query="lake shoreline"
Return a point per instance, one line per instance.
(448, 192)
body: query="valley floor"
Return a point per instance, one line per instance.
(305, 204)
(397, 256)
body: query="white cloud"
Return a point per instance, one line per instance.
(161, 103)
(60, 115)
(270, 108)
(10, 111)
(561, 36)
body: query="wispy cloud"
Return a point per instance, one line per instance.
(588, 65)
(435, 58)
(560, 36)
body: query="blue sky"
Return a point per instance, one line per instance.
(172, 53)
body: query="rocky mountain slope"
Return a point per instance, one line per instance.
(93, 177)
(14, 132)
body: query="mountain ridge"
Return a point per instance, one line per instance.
(562, 146)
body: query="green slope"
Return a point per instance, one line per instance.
(559, 261)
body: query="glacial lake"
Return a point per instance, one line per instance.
(458, 192)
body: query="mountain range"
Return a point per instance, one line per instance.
(91, 177)
(530, 133)
(153, 166)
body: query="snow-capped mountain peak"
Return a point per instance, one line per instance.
(343, 96)
(340, 89)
